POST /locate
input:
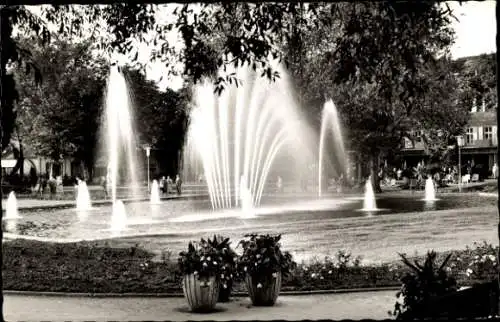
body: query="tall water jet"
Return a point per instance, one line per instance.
(330, 121)
(245, 132)
(120, 132)
(83, 196)
(245, 198)
(369, 202)
(155, 193)
(118, 217)
(11, 211)
(430, 190)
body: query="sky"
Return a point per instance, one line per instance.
(476, 30)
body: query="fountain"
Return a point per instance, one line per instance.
(120, 132)
(246, 199)
(11, 211)
(330, 119)
(430, 190)
(83, 196)
(369, 202)
(119, 140)
(155, 193)
(244, 133)
(118, 217)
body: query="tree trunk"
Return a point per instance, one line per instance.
(374, 168)
(19, 166)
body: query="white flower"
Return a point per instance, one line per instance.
(313, 275)
(492, 258)
(258, 256)
(202, 283)
(469, 272)
(205, 264)
(476, 257)
(259, 285)
(245, 268)
(221, 275)
(202, 258)
(255, 264)
(215, 263)
(224, 285)
(208, 258)
(208, 283)
(195, 272)
(321, 278)
(275, 274)
(329, 272)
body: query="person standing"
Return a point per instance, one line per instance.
(162, 184)
(168, 183)
(494, 170)
(178, 184)
(104, 185)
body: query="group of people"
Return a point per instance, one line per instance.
(166, 183)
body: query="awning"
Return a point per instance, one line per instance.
(8, 163)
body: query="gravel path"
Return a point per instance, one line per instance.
(364, 305)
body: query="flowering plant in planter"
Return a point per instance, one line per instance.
(229, 259)
(263, 263)
(203, 259)
(203, 268)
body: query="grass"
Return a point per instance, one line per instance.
(98, 268)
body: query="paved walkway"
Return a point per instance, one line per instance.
(356, 306)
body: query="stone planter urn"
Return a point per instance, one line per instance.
(225, 293)
(201, 294)
(265, 290)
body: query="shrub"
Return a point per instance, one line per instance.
(207, 258)
(262, 256)
(423, 283)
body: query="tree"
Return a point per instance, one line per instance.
(56, 115)
(380, 64)
(161, 117)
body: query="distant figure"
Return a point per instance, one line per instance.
(33, 178)
(43, 185)
(399, 172)
(279, 184)
(162, 185)
(168, 183)
(178, 184)
(104, 185)
(494, 170)
(52, 183)
(200, 178)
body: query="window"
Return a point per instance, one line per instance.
(418, 136)
(488, 133)
(469, 135)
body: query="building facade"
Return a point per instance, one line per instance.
(480, 141)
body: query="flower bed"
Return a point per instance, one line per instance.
(99, 268)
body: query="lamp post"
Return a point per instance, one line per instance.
(460, 143)
(147, 147)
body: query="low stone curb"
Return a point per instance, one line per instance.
(488, 194)
(169, 295)
(72, 204)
